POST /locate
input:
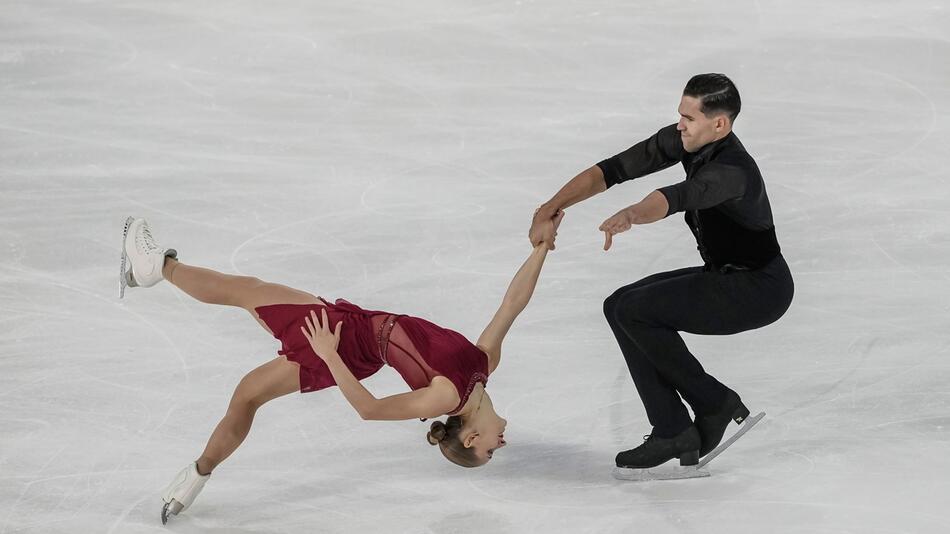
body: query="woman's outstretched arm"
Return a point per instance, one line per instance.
(516, 299)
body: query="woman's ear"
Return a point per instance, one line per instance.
(469, 439)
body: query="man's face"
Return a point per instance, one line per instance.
(698, 130)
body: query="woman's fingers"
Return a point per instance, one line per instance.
(317, 328)
(309, 325)
(313, 325)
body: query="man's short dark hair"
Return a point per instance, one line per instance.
(716, 93)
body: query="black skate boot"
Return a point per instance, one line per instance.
(712, 426)
(656, 451)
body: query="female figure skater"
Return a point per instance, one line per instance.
(326, 344)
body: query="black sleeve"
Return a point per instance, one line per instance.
(714, 184)
(660, 151)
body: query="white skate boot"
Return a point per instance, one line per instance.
(182, 491)
(145, 256)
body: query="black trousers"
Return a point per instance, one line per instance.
(647, 316)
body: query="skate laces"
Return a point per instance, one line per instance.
(146, 241)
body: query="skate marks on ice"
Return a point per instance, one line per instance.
(671, 471)
(667, 471)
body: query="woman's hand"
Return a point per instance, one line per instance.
(544, 228)
(323, 341)
(547, 229)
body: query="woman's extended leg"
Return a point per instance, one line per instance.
(245, 292)
(269, 381)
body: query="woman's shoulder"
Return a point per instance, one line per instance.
(492, 356)
(443, 388)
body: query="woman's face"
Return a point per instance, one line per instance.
(485, 432)
(489, 436)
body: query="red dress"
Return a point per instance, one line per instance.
(417, 349)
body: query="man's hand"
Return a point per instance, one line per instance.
(555, 223)
(544, 227)
(619, 222)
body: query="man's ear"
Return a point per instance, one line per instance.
(722, 122)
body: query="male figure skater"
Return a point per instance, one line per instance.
(744, 282)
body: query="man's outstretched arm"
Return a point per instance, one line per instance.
(583, 186)
(656, 153)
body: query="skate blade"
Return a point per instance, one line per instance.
(669, 471)
(745, 427)
(170, 508)
(123, 275)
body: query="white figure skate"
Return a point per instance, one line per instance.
(182, 491)
(144, 256)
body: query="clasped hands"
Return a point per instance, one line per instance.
(544, 226)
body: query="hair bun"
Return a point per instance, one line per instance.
(436, 433)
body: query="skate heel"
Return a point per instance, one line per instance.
(740, 414)
(181, 493)
(689, 458)
(170, 509)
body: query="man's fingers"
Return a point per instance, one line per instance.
(608, 240)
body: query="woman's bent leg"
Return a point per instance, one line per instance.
(269, 381)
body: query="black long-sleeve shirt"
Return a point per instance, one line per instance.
(723, 195)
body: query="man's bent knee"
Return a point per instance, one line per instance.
(610, 305)
(632, 308)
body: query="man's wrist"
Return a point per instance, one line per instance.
(633, 214)
(545, 211)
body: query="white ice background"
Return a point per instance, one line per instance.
(392, 153)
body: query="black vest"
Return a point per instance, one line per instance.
(722, 241)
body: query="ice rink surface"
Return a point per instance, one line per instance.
(392, 153)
